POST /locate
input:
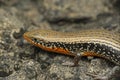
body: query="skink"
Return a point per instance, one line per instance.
(96, 42)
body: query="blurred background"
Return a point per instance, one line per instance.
(22, 61)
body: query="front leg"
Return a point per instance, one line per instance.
(75, 60)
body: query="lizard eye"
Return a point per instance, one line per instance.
(37, 40)
(34, 39)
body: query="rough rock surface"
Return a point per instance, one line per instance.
(20, 60)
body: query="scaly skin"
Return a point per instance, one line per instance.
(99, 42)
(96, 42)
